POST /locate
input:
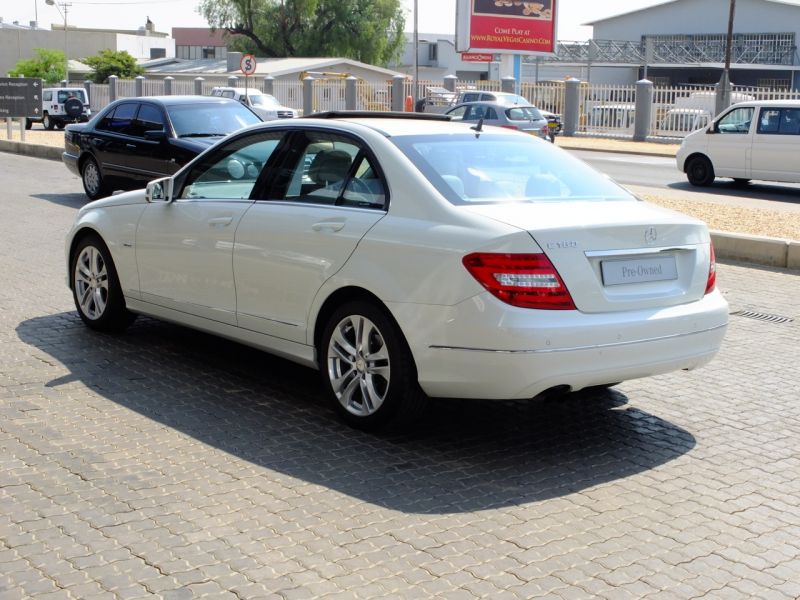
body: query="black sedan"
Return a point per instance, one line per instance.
(135, 140)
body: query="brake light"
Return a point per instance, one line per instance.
(509, 126)
(524, 280)
(711, 282)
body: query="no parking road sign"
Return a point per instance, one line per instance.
(248, 64)
(20, 97)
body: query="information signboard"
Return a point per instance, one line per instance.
(20, 97)
(506, 26)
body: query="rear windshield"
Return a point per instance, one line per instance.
(524, 113)
(491, 168)
(64, 95)
(210, 118)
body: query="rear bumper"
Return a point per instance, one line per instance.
(518, 353)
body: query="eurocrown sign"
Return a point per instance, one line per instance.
(20, 97)
(506, 26)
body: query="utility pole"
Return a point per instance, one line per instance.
(723, 99)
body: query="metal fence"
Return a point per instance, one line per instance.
(605, 110)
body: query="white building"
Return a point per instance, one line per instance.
(19, 42)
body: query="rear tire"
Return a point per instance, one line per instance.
(95, 287)
(700, 171)
(367, 368)
(47, 122)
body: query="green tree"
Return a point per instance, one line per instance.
(108, 62)
(367, 30)
(48, 64)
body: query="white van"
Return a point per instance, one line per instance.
(749, 140)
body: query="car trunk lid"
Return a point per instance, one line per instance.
(616, 255)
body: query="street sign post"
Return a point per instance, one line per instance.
(20, 97)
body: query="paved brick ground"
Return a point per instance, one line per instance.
(166, 462)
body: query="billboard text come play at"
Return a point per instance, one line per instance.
(508, 26)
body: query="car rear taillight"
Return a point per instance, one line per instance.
(711, 282)
(509, 126)
(524, 280)
(545, 131)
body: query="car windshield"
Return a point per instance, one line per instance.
(492, 168)
(524, 113)
(264, 101)
(210, 118)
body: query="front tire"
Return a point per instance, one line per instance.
(95, 287)
(700, 171)
(367, 368)
(28, 123)
(93, 183)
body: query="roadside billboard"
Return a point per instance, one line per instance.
(506, 26)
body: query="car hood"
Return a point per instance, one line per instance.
(196, 144)
(117, 199)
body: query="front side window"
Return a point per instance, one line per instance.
(148, 119)
(494, 168)
(231, 173)
(736, 121)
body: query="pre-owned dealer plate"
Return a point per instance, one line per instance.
(639, 270)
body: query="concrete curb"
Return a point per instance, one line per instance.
(35, 150)
(771, 252)
(567, 146)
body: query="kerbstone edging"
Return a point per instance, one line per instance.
(36, 150)
(773, 252)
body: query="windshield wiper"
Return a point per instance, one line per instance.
(201, 135)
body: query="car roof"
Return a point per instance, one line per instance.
(770, 103)
(386, 124)
(501, 105)
(239, 90)
(178, 100)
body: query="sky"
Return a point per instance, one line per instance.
(435, 16)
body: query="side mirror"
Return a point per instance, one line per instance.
(159, 190)
(155, 135)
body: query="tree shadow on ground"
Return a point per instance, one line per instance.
(464, 455)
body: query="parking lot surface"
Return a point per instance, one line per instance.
(166, 462)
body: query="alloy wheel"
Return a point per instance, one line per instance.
(358, 365)
(91, 283)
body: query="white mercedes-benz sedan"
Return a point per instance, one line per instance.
(407, 257)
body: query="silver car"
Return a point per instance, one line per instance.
(525, 118)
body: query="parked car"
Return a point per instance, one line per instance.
(524, 118)
(406, 257)
(135, 140)
(61, 106)
(749, 140)
(440, 100)
(680, 121)
(264, 105)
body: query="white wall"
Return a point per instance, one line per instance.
(17, 44)
(702, 16)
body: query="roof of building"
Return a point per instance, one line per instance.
(275, 67)
(795, 3)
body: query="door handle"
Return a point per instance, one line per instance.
(130, 146)
(328, 226)
(220, 221)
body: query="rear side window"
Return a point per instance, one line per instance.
(779, 121)
(120, 119)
